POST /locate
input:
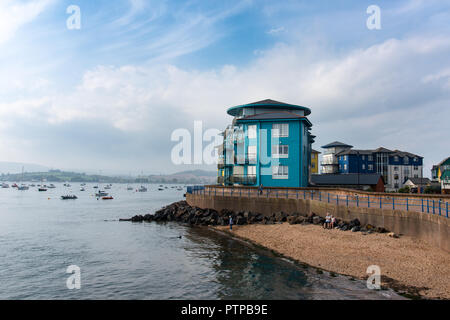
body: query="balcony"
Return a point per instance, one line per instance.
(244, 179)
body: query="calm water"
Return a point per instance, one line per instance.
(41, 235)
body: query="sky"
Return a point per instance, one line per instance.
(108, 95)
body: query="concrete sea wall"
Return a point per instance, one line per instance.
(429, 227)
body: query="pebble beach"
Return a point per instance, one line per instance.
(407, 264)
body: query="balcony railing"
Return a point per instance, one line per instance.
(243, 179)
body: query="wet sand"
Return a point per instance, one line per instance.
(407, 265)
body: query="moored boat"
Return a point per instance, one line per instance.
(69, 197)
(107, 198)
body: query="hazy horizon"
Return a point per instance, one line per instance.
(108, 95)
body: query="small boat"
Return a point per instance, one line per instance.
(23, 187)
(107, 198)
(160, 189)
(32, 185)
(14, 185)
(69, 197)
(51, 186)
(179, 189)
(101, 194)
(83, 184)
(82, 189)
(95, 187)
(5, 185)
(107, 187)
(42, 189)
(129, 188)
(142, 189)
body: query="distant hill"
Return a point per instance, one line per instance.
(185, 177)
(16, 167)
(192, 176)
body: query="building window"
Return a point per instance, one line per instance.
(396, 186)
(363, 157)
(363, 166)
(280, 130)
(345, 166)
(405, 160)
(280, 172)
(280, 151)
(313, 165)
(396, 158)
(396, 177)
(416, 168)
(370, 158)
(370, 167)
(251, 153)
(416, 176)
(251, 170)
(395, 168)
(415, 159)
(252, 132)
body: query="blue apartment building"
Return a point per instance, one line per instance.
(395, 166)
(268, 143)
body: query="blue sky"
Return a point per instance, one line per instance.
(107, 96)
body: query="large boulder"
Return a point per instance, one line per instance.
(241, 220)
(137, 218)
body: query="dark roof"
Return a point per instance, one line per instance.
(273, 115)
(268, 103)
(336, 144)
(383, 149)
(314, 151)
(420, 181)
(354, 151)
(345, 179)
(444, 161)
(405, 154)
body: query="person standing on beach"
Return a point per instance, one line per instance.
(327, 221)
(333, 221)
(260, 189)
(231, 223)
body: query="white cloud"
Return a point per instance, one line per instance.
(388, 94)
(15, 14)
(274, 31)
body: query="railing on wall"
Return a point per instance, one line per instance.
(431, 206)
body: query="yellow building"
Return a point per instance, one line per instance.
(314, 162)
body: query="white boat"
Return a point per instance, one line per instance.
(5, 185)
(22, 186)
(107, 187)
(142, 189)
(51, 186)
(82, 189)
(101, 194)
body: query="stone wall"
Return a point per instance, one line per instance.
(431, 228)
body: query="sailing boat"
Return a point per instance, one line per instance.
(43, 187)
(22, 186)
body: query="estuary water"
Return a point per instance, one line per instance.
(41, 235)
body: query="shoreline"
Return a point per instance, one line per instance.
(409, 286)
(411, 267)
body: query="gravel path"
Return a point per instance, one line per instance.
(410, 262)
